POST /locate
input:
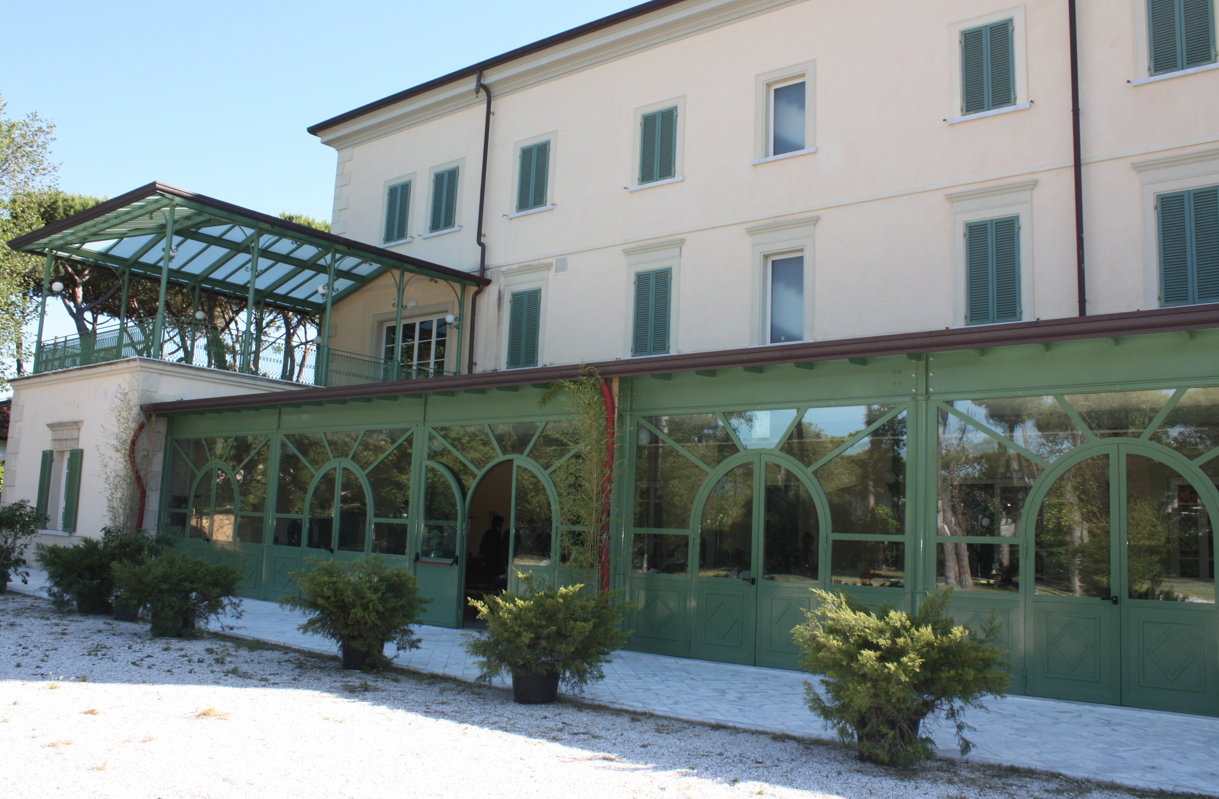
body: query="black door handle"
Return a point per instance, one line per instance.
(750, 580)
(1112, 599)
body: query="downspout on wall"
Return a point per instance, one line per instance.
(1080, 277)
(482, 197)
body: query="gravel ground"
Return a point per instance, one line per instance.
(91, 707)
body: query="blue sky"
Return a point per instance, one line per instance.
(215, 97)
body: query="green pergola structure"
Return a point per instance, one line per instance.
(166, 234)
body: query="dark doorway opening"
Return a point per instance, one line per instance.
(487, 544)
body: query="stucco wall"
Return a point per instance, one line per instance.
(883, 252)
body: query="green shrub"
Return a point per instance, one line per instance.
(362, 604)
(19, 522)
(548, 629)
(884, 673)
(180, 591)
(81, 575)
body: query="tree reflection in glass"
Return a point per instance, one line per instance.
(726, 532)
(789, 543)
(1170, 554)
(1073, 529)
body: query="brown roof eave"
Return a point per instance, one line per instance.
(1162, 320)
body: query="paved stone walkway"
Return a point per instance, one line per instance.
(1133, 747)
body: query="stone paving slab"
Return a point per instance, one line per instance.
(1133, 747)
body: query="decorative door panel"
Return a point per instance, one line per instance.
(973, 611)
(780, 612)
(248, 557)
(659, 618)
(437, 559)
(281, 561)
(724, 626)
(1171, 663)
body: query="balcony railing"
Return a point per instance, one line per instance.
(209, 346)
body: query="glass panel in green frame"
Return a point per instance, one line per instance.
(1038, 424)
(438, 452)
(514, 439)
(252, 484)
(703, 435)
(390, 481)
(311, 446)
(558, 438)
(977, 567)
(181, 475)
(201, 507)
(983, 483)
(1171, 548)
(342, 442)
(321, 512)
(534, 520)
(1071, 543)
(760, 429)
(790, 528)
(353, 513)
(1192, 426)
(666, 483)
(661, 553)
(389, 538)
(472, 441)
(293, 479)
(726, 527)
(1119, 413)
(876, 564)
(224, 512)
(822, 430)
(866, 484)
(373, 445)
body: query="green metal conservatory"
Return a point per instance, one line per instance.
(1061, 474)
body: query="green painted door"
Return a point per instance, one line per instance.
(437, 559)
(1122, 600)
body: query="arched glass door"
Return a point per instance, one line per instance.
(758, 551)
(1123, 599)
(437, 558)
(338, 515)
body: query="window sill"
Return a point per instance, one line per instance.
(1007, 109)
(395, 243)
(654, 183)
(531, 211)
(55, 532)
(1179, 73)
(781, 156)
(441, 232)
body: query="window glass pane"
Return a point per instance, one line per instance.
(666, 482)
(983, 484)
(196, 451)
(374, 444)
(217, 448)
(391, 483)
(439, 346)
(180, 477)
(726, 531)
(787, 299)
(287, 533)
(389, 538)
(822, 430)
(341, 443)
(513, 439)
(977, 567)
(880, 564)
(790, 549)
(443, 455)
(1072, 536)
(1171, 554)
(1119, 413)
(353, 513)
(557, 439)
(312, 447)
(788, 118)
(252, 482)
(1039, 424)
(471, 441)
(661, 554)
(226, 504)
(760, 429)
(201, 508)
(440, 540)
(427, 332)
(321, 513)
(865, 485)
(243, 447)
(294, 478)
(440, 502)
(534, 520)
(1192, 426)
(703, 435)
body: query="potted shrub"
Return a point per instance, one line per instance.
(546, 635)
(180, 591)
(81, 575)
(883, 673)
(18, 524)
(361, 605)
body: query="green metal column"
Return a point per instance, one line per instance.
(159, 327)
(400, 280)
(123, 311)
(42, 308)
(247, 336)
(194, 322)
(323, 355)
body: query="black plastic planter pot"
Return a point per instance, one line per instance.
(126, 613)
(355, 659)
(529, 688)
(170, 626)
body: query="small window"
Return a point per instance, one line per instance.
(58, 499)
(1182, 34)
(992, 267)
(444, 200)
(1189, 246)
(988, 68)
(524, 319)
(787, 118)
(425, 344)
(397, 206)
(786, 299)
(653, 293)
(535, 169)
(658, 145)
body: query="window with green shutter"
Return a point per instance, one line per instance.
(44, 486)
(535, 168)
(71, 491)
(1189, 246)
(444, 200)
(524, 319)
(653, 293)
(1181, 33)
(992, 271)
(658, 145)
(988, 67)
(397, 206)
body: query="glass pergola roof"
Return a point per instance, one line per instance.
(213, 248)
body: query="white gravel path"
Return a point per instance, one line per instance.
(95, 708)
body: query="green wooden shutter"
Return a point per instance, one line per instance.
(1174, 249)
(647, 147)
(666, 145)
(71, 491)
(1006, 238)
(1001, 88)
(1198, 32)
(650, 334)
(438, 186)
(444, 200)
(44, 486)
(978, 309)
(973, 71)
(450, 199)
(1162, 29)
(397, 204)
(524, 192)
(535, 165)
(524, 319)
(992, 271)
(642, 333)
(1205, 219)
(661, 292)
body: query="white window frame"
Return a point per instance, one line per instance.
(781, 239)
(647, 258)
(410, 209)
(1020, 64)
(770, 292)
(65, 437)
(523, 278)
(992, 202)
(1161, 176)
(460, 163)
(553, 138)
(765, 84)
(416, 317)
(679, 149)
(1142, 49)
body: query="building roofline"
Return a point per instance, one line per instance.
(1042, 331)
(504, 58)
